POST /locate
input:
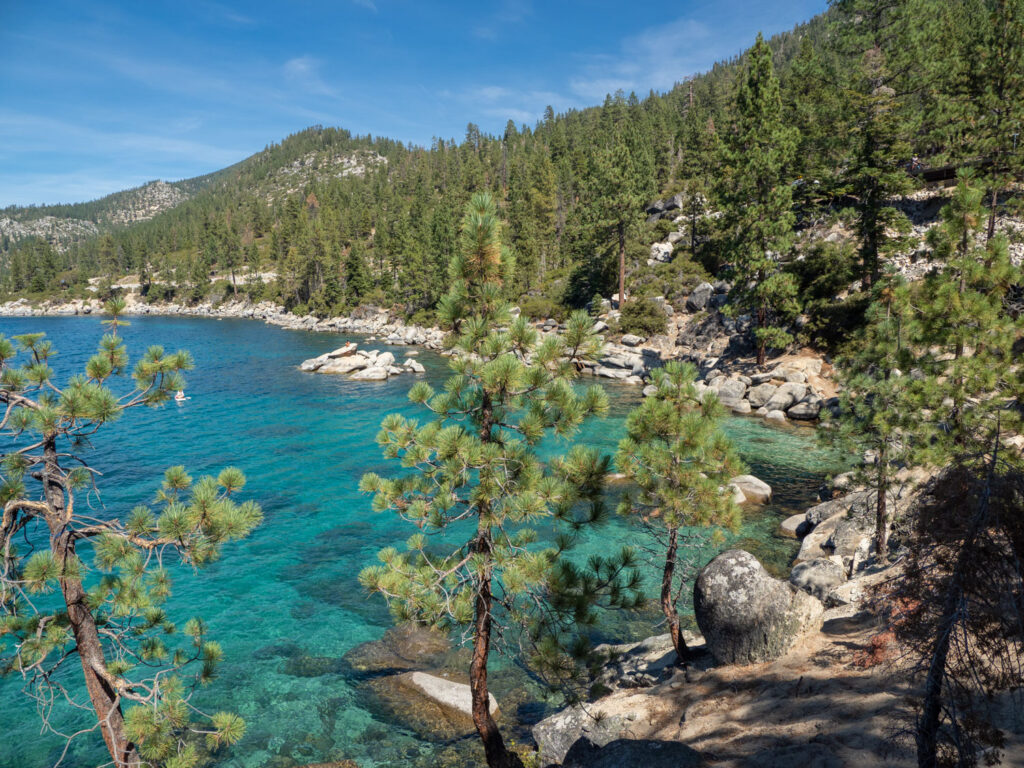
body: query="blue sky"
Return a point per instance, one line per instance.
(100, 96)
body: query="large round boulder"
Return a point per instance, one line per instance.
(745, 615)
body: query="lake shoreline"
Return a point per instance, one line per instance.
(796, 391)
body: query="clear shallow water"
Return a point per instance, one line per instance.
(291, 590)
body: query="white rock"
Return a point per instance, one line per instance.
(344, 351)
(376, 373)
(413, 366)
(313, 363)
(755, 489)
(344, 364)
(448, 693)
(738, 496)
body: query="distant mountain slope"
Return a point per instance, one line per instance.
(273, 173)
(63, 225)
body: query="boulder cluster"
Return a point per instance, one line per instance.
(837, 535)
(362, 365)
(793, 390)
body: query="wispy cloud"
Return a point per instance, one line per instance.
(509, 12)
(657, 57)
(369, 4)
(304, 72)
(223, 13)
(523, 106)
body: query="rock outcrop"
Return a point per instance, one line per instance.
(754, 489)
(364, 365)
(746, 615)
(818, 577)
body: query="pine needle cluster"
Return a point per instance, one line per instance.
(140, 668)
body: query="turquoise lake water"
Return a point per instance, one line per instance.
(290, 589)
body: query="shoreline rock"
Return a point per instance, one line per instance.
(630, 361)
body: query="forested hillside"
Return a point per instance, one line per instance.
(869, 94)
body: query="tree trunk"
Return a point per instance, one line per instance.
(762, 352)
(83, 625)
(882, 511)
(992, 215)
(498, 756)
(668, 606)
(622, 266)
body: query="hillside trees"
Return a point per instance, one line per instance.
(53, 609)
(876, 89)
(757, 204)
(976, 105)
(477, 481)
(621, 181)
(698, 155)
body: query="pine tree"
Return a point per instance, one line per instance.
(358, 282)
(967, 329)
(475, 463)
(618, 185)
(880, 404)
(111, 617)
(699, 150)
(681, 462)
(976, 100)
(876, 90)
(757, 204)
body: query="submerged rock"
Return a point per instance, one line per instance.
(447, 693)
(405, 646)
(312, 666)
(747, 616)
(409, 705)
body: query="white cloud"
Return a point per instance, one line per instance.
(509, 12)
(657, 57)
(304, 71)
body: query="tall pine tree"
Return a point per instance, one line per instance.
(757, 204)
